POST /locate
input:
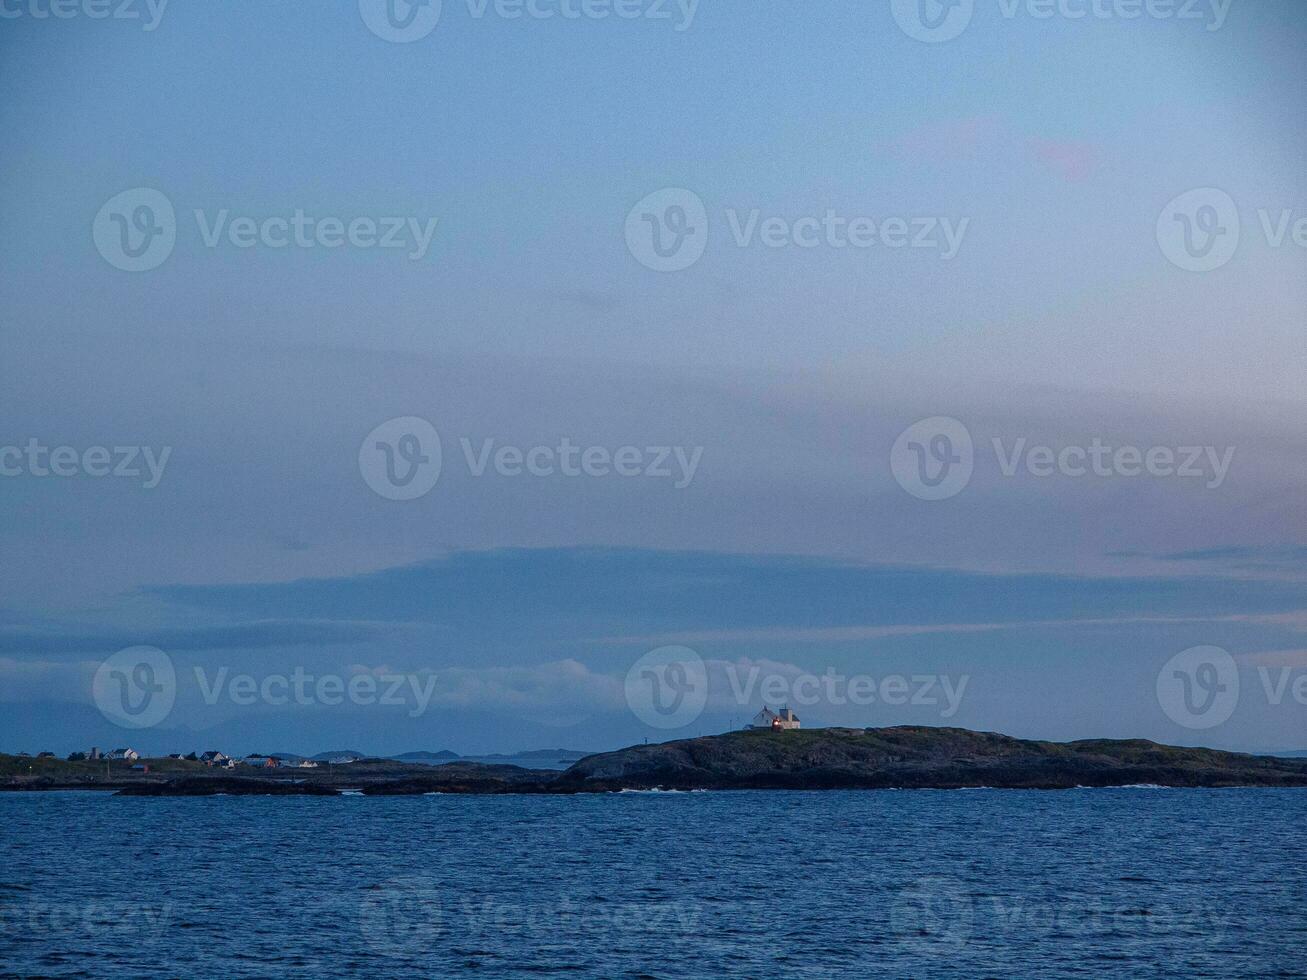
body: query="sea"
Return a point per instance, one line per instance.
(1130, 882)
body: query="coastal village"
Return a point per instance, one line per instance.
(211, 758)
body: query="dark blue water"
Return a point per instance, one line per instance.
(1090, 883)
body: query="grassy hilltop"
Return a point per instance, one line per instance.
(917, 757)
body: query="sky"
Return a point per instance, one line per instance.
(804, 340)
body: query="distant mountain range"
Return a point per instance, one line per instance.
(557, 756)
(432, 757)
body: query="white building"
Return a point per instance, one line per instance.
(775, 721)
(127, 755)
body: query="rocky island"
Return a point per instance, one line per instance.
(812, 759)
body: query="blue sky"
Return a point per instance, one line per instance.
(529, 320)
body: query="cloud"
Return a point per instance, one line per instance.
(1274, 658)
(850, 634)
(561, 596)
(248, 636)
(1294, 620)
(1264, 553)
(1289, 558)
(564, 685)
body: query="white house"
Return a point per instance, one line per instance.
(127, 755)
(775, 721)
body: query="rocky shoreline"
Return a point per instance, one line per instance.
(814, 759)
